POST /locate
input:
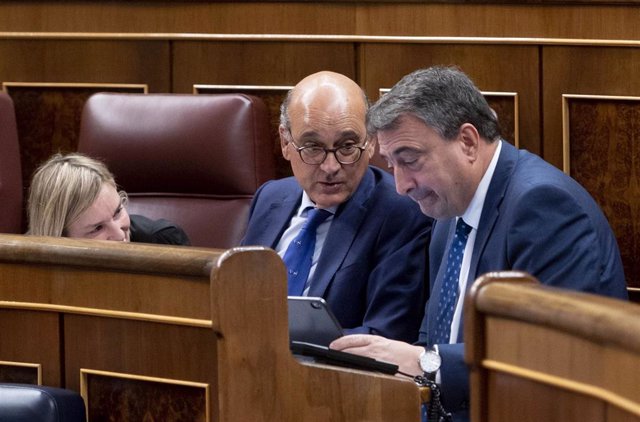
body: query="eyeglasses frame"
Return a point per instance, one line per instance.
(362, 148)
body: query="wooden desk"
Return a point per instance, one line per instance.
(539, 353)
(174, 334)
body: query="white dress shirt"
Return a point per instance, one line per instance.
(472, 217)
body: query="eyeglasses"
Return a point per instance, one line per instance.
(315, 155)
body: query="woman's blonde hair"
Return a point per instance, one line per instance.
(63, 188)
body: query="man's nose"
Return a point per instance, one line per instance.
(330, 163)
(403, 182)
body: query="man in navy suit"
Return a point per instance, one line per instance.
(440, 135)
(369, 261)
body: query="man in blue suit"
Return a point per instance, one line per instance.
(514, 211)
(369, 261)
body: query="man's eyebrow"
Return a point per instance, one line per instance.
(312, 135)
(349, 134)
(404, 149)
(308, 135)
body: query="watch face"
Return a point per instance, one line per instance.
(430, 361)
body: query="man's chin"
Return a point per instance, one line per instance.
(429, 209)
(425, 211)
(326, 201)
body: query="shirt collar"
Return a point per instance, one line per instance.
(308, 203)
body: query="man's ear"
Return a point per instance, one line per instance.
(371, 146)
(284, 142)
(469, 139)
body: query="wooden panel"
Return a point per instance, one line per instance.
(515, 399)
(619, 415)
(582, 70)
(99, 279)
(20, 372)
(542, 353)
(242, 352)
(86, 61)
(273, 97)
(602, 152)
(148, 294)
(506, 107)
(491, 20)
(178, 17)
(529, 347)
(153, 349)
(257, 63)
(557, 354)
(33, 338)
(367, 18)
(382, 65)
(110, 396)
(57, 109)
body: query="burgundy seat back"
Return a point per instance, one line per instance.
(196, 160)
(10, 169)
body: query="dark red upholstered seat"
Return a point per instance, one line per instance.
(196, 160)
(10, 169)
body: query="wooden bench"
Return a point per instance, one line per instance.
(539, 353)
(172, 333)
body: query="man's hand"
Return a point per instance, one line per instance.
(404, 355)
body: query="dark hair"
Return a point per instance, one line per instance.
(444, 98)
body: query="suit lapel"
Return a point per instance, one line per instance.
(491, 208)
(344, 228)
(491, 211)
(276, 218)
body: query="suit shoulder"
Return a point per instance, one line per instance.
(278, 185)
(533, 175)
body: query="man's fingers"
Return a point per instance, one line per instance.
(351, 341)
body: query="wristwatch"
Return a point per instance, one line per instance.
(430, 362)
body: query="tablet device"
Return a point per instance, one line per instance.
(311, 321)
(322, 354)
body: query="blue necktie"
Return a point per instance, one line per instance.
(299, 254)
(450, 287)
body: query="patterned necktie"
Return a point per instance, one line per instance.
(450, 284)
(299, 254)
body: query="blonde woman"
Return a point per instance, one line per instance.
(76, 196)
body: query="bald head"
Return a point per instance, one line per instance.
(323, 117)
(323, 90)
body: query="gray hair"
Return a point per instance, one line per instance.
(444, 98)
(284, 110)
